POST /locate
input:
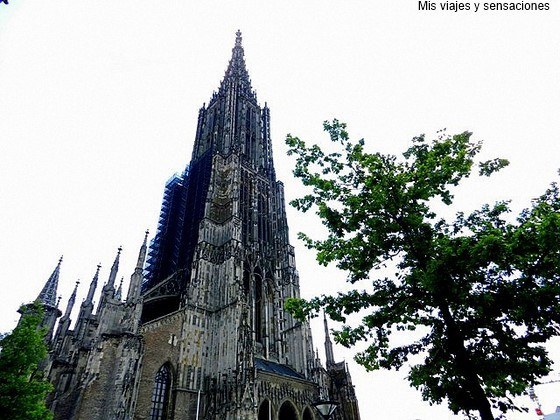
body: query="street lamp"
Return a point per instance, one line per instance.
(326, 408)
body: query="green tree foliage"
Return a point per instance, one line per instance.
(22, 387)
(478, 295)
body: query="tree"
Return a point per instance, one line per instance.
(22, 387)
(478, 295)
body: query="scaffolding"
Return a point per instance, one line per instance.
(182, 209)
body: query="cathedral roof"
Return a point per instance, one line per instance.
(276, 368)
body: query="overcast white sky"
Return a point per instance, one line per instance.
(99, 100)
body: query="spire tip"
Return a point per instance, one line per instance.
(238, 38)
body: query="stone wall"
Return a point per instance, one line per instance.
(160, 346)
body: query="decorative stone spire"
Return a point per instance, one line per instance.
(48, 294)
(118, 293)
(92, 286)
(71, 301)
(86, 310)
(136, 278)
(328, 344)
(64, 323)
(142, 253)
(114, 270)
(108, 291)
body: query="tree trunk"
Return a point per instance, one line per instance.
(465, 366)
(455, 337)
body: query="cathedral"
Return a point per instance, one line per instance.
(202, 332)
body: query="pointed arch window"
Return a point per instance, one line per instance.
(160, 394)
(258, 309)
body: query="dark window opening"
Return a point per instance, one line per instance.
(258, 309)
(160, 394)
(265, 412)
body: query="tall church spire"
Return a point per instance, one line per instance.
(48, 294)
(231, 123)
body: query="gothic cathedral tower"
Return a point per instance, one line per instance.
(202, 332)
(220, 268)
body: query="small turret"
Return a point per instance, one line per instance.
(108, 291)
(142, 253)
(92, 287)
(136, 278)
(328, 343)
(86, 310)
(109, 288)
(340, 388)
(64, 323)
(71, 301)
(118, 293)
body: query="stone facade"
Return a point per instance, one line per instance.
(202, 333)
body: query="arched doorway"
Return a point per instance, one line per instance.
(287, 411)
(307, 414)
(265, 412)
